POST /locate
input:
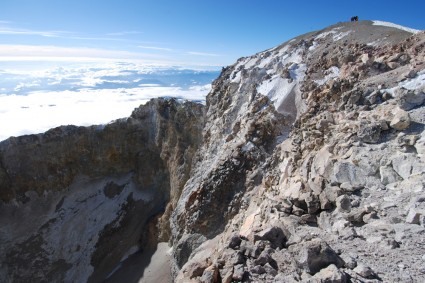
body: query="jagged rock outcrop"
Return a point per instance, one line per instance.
(77, 200)
(312, 165)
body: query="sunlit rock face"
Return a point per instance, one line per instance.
(311, 168)
(76, 200)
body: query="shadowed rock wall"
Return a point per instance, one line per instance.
(76, 200)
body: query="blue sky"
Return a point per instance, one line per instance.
(202, 32)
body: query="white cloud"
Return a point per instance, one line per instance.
(203, 54)
(92, 38)
(155, 48)
(7, 30)
(83, 93)
(122, 33)
(39, 111)
(16, 31)
(55, 53)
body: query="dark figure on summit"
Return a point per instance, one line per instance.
(355, 19)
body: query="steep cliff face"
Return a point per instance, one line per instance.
(76, 200)
(312, 163)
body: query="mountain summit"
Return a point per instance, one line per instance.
(306, 165)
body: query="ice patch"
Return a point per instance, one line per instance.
(388, 24)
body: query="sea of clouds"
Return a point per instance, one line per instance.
(37, 96)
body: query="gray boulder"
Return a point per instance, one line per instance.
(348, 172)
(388, 175)
(314, 255)
(409, 99)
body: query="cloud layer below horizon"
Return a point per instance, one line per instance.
(33, 100)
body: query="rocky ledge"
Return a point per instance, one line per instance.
(306, 165)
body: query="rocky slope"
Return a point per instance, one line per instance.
(306, 165)
(75, 201)
(312, 166)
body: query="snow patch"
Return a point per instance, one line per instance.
(274, 84)
(415, 83)
(236, 77)
(388, 24)
(266, 61)
(336, 35)
(284, 50)
(279, 89)
(332, 72)
(313, 47)
(340, 35)
(297, 71)
(248, 147)
(251, 63)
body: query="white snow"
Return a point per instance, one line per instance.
(340, 35)
(266, 61)
(410, 84)
(75, 224)
(297, 71)
(245, 63)
(284, 50)
(331, 73)
(415, 83)
(272, 86)
(327, 33)
(247, 147)
(324, 34)
(279, 89)
(374, 43)
(236, 77)
(311, 48)
(388, 24)
(336, 35)
(251, 63)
